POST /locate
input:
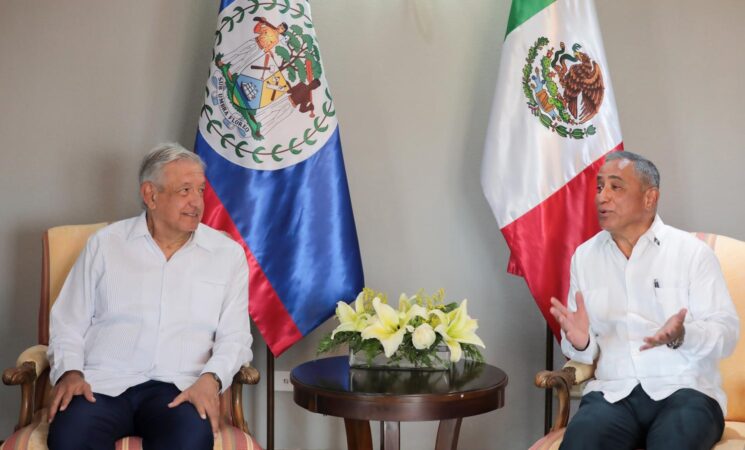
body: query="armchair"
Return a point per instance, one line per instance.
(731, 255)
(61, 247)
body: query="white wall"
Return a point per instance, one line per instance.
(88, 86)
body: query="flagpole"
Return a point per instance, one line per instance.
(549, 366)
(269, 399)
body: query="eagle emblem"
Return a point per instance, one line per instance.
(564, 88)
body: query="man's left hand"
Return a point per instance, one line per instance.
(669, 332)
(204, 394)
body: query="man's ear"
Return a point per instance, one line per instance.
(148, 193)
(651, 197)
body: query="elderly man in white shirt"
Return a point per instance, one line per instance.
(152, 322)
(650, 304)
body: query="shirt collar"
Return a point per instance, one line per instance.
(199, 238)
(654, 234)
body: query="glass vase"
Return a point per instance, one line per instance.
(439, 360)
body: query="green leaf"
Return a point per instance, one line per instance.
(300, 67)
(272, 6)
(319, 126)
(306, 137)
(308, 25)
(590, 130)
(238, 148)
(274, 153)
(316, 68)
(282, 53)
(291, 74)
(577, 133)
(291, 145)
(218, 37)
(562, 130)
(296, 151)
(546, 121)
(206, 110)
(286, 6)
(229, 21)
(212, 124)
(226, 139)
(300, 11)
(241, 14)
(254, 7)
(296, 29)
(326, 111)
(256, 158)
(294, 42)
(308, 39)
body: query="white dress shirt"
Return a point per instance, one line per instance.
(630, 299)
(126, 315)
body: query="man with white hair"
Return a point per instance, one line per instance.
(152, 321)
(649, 304)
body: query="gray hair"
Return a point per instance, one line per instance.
(644, 168)
(151, 168)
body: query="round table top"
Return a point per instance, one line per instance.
(330, 386)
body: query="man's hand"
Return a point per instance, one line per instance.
(669, 332)
(204, 394)
(576, 325)
(69, 385)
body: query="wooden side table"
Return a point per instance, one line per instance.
(328, 386)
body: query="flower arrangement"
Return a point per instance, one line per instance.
(413, 332)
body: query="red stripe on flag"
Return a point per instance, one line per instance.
(543, 240)
(267, 311)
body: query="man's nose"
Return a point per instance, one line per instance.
(602, 195)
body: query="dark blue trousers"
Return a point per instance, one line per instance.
(141, 410)
(687, 419)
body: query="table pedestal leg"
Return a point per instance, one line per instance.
(390, 439)
(358, 434)
(447, 434)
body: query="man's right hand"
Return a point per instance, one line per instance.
(69, 385)
(576, 325)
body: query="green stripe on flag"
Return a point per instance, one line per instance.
(522, 10)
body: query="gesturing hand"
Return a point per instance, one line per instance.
(204, 394)
(69, 385)
(576, 325)
(670, 331)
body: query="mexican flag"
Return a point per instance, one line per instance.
(552, 122)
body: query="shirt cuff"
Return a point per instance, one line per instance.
(73, 362)
(225, 378)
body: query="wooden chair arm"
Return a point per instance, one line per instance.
(246, 375)
(561, 381)
(29, 366)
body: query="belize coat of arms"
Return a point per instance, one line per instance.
(267, 105)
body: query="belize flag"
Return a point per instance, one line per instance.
(553, 121)
(276, 181)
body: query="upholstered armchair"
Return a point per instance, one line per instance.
(61, 247)
(731, 254)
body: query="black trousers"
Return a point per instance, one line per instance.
(141, 410)
(687, 419)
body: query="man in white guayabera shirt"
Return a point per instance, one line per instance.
(152, 322)
(650, 304)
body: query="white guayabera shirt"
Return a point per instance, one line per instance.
(628, 300)
(125, 315)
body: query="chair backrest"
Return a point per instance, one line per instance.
(731, 255)
(61, 247)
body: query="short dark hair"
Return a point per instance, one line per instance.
(644, 168)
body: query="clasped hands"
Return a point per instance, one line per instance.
(576, 325)
(204, 394)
